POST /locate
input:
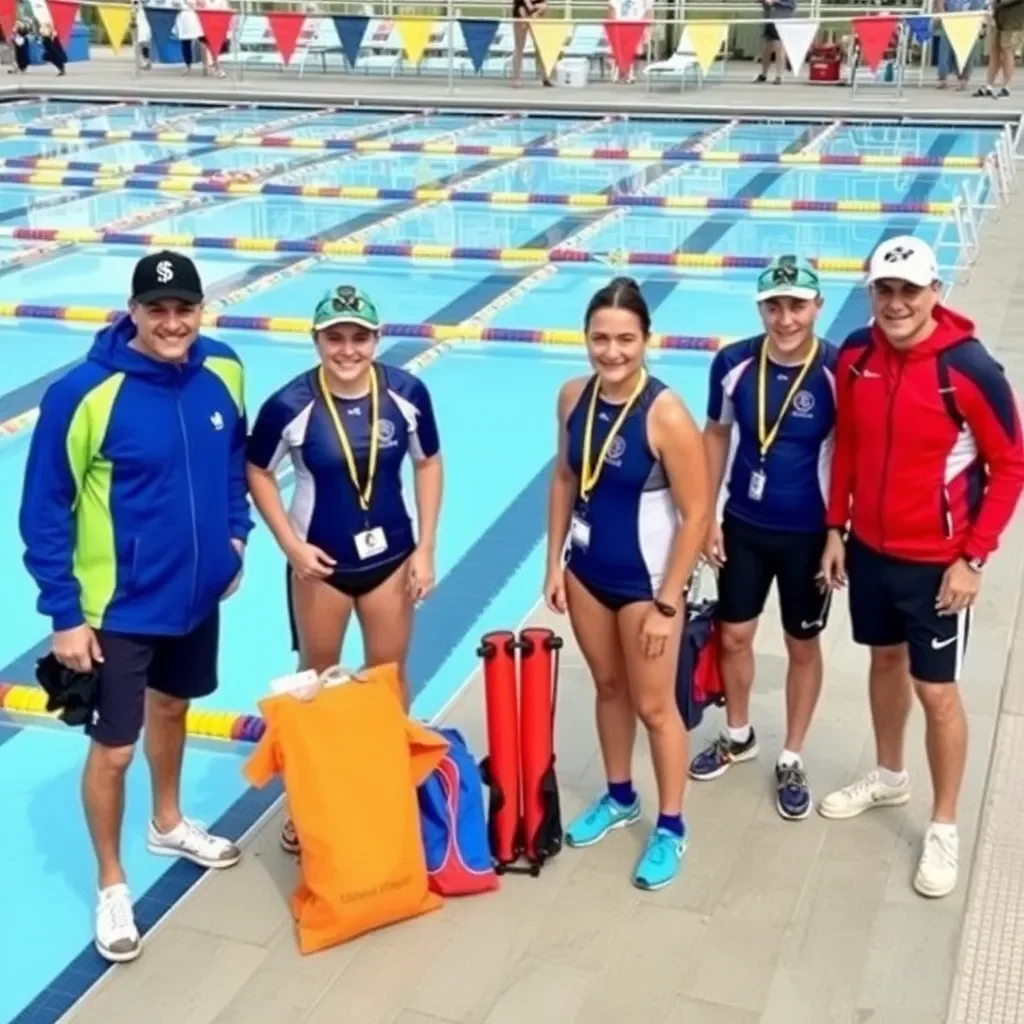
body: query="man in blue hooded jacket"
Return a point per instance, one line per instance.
(135, 517)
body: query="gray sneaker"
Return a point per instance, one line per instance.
(190, 840)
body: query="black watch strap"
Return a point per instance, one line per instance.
(668, 610)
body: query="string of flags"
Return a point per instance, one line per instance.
(875, 34)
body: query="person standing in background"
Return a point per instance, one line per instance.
(947, 60)
(773, 49)
(1007, 24)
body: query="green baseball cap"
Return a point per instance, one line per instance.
(346, 305)
(788, 275)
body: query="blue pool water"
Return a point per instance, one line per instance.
(494, 402)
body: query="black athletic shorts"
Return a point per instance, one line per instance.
(892, 602)
(754, 557)
(184, 667)
(351, 583)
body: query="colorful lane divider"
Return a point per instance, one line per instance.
(422, 251)
(425, 332)
(365, 193)
(678, 153)
(229, 726)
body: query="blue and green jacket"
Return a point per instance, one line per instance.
(135, 487)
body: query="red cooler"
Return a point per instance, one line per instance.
(824, 62)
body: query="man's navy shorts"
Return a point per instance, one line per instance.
(184, 667)
(892, 601)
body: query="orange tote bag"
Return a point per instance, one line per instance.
(351, 761)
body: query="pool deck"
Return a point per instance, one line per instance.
(772, 922)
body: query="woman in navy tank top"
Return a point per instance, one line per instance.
(629, 508)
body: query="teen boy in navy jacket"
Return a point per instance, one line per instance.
(135, 517)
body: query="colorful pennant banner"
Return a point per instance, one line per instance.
(62, 17)
(216, 23)
(962, 31)
(478, 36)
(286, 27)
(415, 34)
(548, 40)
(796, 35)
(706, 39)
(161, 25)
(623, 40)
(920, 28)
(8, 16)
(116, 22)
(351, 28)
(875, 35)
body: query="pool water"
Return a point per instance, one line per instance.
(494, 401)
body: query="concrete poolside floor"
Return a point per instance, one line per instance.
(772, 922)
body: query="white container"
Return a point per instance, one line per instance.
(573, 72)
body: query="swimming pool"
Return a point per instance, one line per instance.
(493, 400)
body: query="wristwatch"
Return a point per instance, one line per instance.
(668, 610)
(975, 564)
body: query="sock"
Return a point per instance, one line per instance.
(891, 778)
(790, 759)
(671, 823)
(622, 793)
(944, 829)
(741, 734)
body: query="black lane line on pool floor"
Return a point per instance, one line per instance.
(855, 311)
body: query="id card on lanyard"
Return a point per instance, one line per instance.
(371, 541)
(579, 528)
(765, 437)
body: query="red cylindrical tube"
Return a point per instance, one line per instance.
(501, 771)
(536, 724)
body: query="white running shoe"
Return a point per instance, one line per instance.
(117, 938)
(190, 840)
(860, 796)
(937, 870)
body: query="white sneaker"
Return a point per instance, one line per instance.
(117, 938)
(937, 869)
(860, 796)
(190, 840)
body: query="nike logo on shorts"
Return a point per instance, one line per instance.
(937, 644)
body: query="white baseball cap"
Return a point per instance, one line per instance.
(904, 258)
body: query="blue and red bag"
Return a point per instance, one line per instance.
(454, 826)
(699, 675)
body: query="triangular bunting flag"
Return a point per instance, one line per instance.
(161, 24)
(351, 28)
(623, 39)
(874, 36)
(548, 40)
(796, 36)
(414, 34)
(920, 28)
(962, 31)
(215, 24)
(285, 27)
(478, 36)
(8, 16)
(62, 18)
(115, 21)
(706, 38)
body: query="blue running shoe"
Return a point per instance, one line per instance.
(720, 755)
(792, 793)
(661, 860)
(604, 814)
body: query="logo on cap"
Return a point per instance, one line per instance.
(165, 271)
(898, 254)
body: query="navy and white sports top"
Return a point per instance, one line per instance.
(631, 513)
(325, 508)
(798, 465)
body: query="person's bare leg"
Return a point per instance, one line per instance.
(518, 43)
(596, 631)
(321, 618)
(889, 692)
(103, 800)
(946, 744)
(737, 667)
(385, 615)
(165, 749)
(803, 686)
(652, 687)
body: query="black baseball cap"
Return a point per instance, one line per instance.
(166, 275)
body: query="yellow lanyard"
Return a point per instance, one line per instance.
(765, 437)
(589, 476)
(366, 492)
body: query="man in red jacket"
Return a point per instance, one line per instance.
(927, 471)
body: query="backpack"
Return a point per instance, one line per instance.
(453, 824)
(698, 673)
